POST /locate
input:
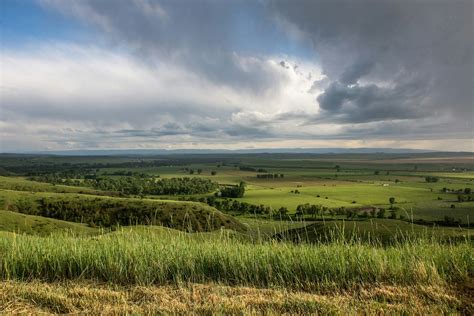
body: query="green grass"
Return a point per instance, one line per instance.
(144, 258)
(383, 231)
(38, 225)
(419, 201)
(266, 229)
(253, 265)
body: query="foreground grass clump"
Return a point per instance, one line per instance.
(94, 298)
(146, 258)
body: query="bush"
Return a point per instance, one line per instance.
(431, 179)
(232, 191)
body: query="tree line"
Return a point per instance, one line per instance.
(138, 184)
(270, 176)
(152, 186)
(231, 191)
(247, 168)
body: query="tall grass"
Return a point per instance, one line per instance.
(143, 257)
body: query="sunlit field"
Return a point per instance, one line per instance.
(118, 236)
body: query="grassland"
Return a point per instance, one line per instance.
(246, 263)
(375, 231)
(221, 274)
(355, 185)
(39, 225)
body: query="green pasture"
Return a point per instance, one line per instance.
(420, 201)
(414, 196)
(355, 185)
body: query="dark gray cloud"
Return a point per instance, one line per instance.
(368, 103)
(352, 74)
(229, 130)
(201, 36)
(407, 58)
(284, 64)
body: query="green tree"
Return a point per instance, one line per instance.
(392, 201)
(282, 211)
(393, 214)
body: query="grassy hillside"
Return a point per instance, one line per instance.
(147, 261)
(266, 229)
(22, 184)
(111, 211)
(38, 225)
(384, 231)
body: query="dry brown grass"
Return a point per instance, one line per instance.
(94, 298)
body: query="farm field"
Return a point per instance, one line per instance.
(292, 244)
(348, 187)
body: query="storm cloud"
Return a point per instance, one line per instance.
(390, 60)
(245, 73)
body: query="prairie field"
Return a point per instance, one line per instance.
(331, 236)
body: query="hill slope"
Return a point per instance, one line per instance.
(383, 231)
(21, 184)
(38, 225)
(111, 211)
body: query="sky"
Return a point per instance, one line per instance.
(220, 74)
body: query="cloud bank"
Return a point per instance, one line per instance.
(167, 74)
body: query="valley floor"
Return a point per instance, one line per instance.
(99, 298)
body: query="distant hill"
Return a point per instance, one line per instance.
(107, 152)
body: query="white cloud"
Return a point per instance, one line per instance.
(73, 96)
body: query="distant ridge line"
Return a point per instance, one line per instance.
(147, 152)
